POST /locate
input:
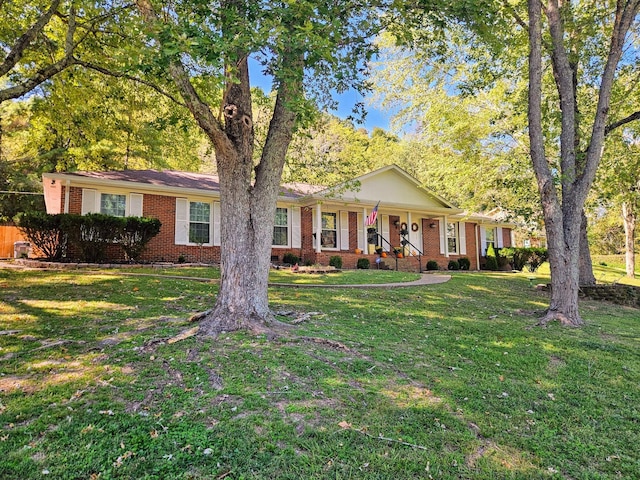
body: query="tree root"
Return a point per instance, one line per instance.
(552, 315)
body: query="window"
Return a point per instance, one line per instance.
(112, 204)
(281, 228)
(452, 237)
(199, 222)
(329, 235)
(490, 238)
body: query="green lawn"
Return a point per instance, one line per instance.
(442, 381)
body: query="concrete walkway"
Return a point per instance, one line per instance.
(425, 279)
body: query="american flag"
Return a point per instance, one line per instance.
(371, 218)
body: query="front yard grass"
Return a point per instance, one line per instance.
(441, 381)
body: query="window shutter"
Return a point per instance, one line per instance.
(216, 223)
(296, 228)
(90, 200)
(135, 205)
(483, 241)
(499, 239)
(344, 230)
(182, 221)
(462, 235)
(385, 231)
(360, 222)
(442, 226)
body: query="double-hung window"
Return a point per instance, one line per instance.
(199, 222)
(281, 228)
(452, 237)
(490, 238)
(329, 235)
(113, 204)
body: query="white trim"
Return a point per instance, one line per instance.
(318, 231)
(66, 196)
(499, 239)
(362, 239)
(90, 201)
(344, 230)
(462, 238)
(181, 236)
(216, 223)
(442, 227)
(483, 241)
(385, 230)
(296, 227)
(134, 207)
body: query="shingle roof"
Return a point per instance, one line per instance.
(175, 179)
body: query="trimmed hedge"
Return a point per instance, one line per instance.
(336, 261)
(88, 235)
(45, 231)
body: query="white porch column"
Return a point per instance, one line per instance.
(318, 227)
(364, 219)
(445, 221)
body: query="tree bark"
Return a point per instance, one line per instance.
(586, 266)
(248, 194)
(629, 220)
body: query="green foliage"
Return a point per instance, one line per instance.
(491, 252)
(432, 265)
(135, 233)
(290, 258)
(363, 264)
(336, 261)
(87, 237)
(464, 263)
(491, 263)
(538, 257)
(453, 265)
(46, 232)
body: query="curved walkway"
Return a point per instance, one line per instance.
(425, 278)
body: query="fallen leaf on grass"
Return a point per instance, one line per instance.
(344, 424)
(122, 458)
(154, 433)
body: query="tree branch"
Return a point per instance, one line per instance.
(612, 126)
(39, 77)
(110, 73)
(515, 15)
(198, 108)
(16, 52)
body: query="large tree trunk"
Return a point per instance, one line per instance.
(586, 266)
(629, 220)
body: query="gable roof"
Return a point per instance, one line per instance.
(392, 187)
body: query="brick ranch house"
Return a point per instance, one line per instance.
(188, 205)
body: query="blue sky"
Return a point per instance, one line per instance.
(375, 117)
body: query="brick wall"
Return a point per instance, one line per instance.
(162, 248)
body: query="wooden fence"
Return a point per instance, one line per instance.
(8, 236)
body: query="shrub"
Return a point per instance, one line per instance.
(92, 233)
(432, 265)
(538, 257)
(336, 261)
(290, 258)
(502, 258)
(453, 265)
(464, 263)
(363, 264)
(45, 231)
(135, 233)
(492, 263)
(182, 259)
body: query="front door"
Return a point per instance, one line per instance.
(394, 230)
